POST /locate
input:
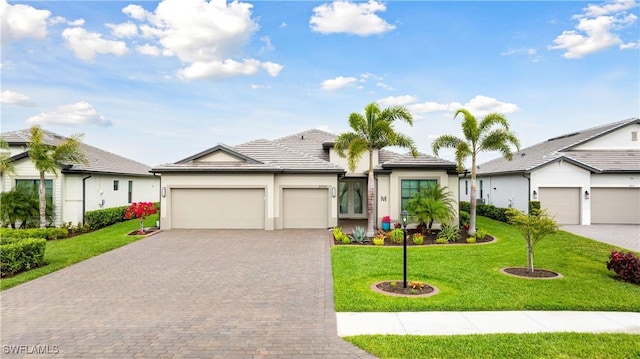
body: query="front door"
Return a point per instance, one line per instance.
(353, 194)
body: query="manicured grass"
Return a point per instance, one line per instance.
(65, 252)
(469, 279)
(499, 346)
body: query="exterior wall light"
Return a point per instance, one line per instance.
(163, 191)
(535, 194)
(586, 194)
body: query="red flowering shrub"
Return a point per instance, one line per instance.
(626, 266)
(140, 210)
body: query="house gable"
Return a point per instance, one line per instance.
(218, 153)
(622, 138)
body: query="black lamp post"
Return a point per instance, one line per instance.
(404, 215)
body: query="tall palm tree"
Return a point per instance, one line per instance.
(373, 131)
(492, 133)
(6, 164)
(47, 158)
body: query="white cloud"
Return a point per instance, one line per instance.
(268, 46)
(348, 17)
(21, 21)
(207, 35)
(338, 83)
(259, 87)
(478, 106)
(61, 20)
(80, 113)
(15, 98)
(630, 45)
(147, 49)
(530, 53)
(397, 100)
(136, 12)
(86, 45)
(125, 30)
(596, 30)
(385, 86)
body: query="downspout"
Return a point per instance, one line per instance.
(84, 198)
(160, 196)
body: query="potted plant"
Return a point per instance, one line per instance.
(386, 223)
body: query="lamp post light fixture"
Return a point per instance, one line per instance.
(404, 215)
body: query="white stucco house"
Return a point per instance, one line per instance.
(589, 176)
(106, 181)
(297, 181)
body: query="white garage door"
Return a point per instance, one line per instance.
(615, 205)
(562, 203)
(217, 208)
(305, 207)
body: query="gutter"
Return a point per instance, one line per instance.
(528, 177)
(84, 197)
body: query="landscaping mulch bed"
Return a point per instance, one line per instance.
(396, 288)
(430, 237)
(537, 273)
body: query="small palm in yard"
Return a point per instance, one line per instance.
(533, 227)
(492, 133)
(373, 131)
(433, 203)
(48, 158)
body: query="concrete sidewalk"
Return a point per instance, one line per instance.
(452, 323)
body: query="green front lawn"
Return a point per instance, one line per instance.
(502, 346)
(65, 252)
(468, 276)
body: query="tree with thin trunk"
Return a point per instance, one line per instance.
(373, 131)
(48, 157)
(492, 133)
(533, 227)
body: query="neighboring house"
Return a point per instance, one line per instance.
(107, 180)
(586, 177)
(297, 181)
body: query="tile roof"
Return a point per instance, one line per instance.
(554, 148)
(300, 152)
(99, 161)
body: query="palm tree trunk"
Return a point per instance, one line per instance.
(472, 200)
(370, 197)
(43, 201)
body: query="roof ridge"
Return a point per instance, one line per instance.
(298, 134)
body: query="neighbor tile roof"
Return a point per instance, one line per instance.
(554, 148)
(99, 161)
(300, 152)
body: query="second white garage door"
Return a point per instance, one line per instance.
(305, 207)
(562, 203)
(217, 208)
(615, 205)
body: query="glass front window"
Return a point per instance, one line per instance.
(411, 187)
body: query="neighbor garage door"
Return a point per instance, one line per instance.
(217, 208)
(305, 207)
(615, 205)
(562, 203)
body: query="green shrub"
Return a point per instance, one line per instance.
(481, 234)
(465, 206)
(337, 233)
(449, 233)
(46, 233)
(418, 238)
(465, 217)
(493, 212)
(345, 239)
(105, 217)
(534, 205)
(17, 255)
(471, 240)
(378, 240)
(441, 240)
(396, 236)
(358, 235)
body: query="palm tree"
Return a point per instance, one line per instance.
(373, 131)
(433, 203)
(47, 158)
(492, 133)
(6, 164)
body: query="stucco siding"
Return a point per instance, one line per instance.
(361, 167)
(507, 191)
(383, 197)
(615, 180)
(396, 177)
(619, 139)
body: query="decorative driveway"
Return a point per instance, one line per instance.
(184, 294)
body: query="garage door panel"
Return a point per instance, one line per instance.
(561, 203)
(305, 207)
(615, 205)
(217, 208)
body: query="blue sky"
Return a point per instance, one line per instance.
(160, 81)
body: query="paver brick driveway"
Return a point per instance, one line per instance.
(185, 294)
